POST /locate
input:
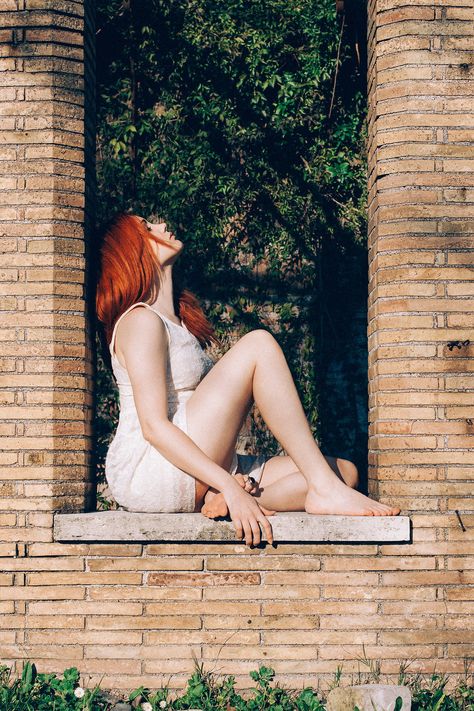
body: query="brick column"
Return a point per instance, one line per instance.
(45, 352)
(421, 195)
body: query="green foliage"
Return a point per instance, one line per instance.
(398, 703)
(431, 695)
(218, 115)
(47, 692)
(206, 691)
(242, 124)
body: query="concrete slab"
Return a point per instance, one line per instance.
(110, 526)
(369, 697)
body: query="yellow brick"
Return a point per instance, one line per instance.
(207, 607)
(377, 622)
(109, 651)
(39, 593)
(70, 652)
(92, 666)
(260, 652)
(425, 636)
(163, 563)
(318, 607)
(169, 667)
(140, 592)
(319, 637)
(461, 564)
(265, 592)
(460, 593)
(87, 578)
(126, 682)
(437, 577)
(263, 562)
(376, 652)
(299, 622)
(27, 534)
(139, 622)
(85, 607)
(438, 666)
(164, 637)
(378, 593)
(66, 636)
(409, 608)
(7, 550)
(53, 621)
(8, 619)
(350, 577)
(391, 563)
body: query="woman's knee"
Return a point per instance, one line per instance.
(259, 338)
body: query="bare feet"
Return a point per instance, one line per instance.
(215, 505)
(342, 500)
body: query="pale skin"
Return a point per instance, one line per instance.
(254, 370)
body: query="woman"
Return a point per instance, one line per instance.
(180, 414)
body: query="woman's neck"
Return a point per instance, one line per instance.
(164, 301)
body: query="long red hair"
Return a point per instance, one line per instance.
(130, 271)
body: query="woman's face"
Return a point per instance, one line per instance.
(169, 248)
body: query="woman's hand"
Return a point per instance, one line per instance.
(249, 484)
(247, 516)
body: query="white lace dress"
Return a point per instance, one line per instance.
(139, 476)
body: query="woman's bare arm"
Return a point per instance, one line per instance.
(142, 340)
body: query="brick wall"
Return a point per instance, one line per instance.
(421, 240)
(137, 614)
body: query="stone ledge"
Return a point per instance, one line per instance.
(109, 526)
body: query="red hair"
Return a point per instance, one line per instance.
(130, 272)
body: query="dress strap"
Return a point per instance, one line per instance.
(138, 303)
(173, 323)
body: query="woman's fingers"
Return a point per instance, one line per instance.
(248, 519)
(266, 525)
(249, 484)
(256, 533)
(248, 533)
(238, 528)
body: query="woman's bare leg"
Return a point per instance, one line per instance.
(284, 488)
(281, 487)
(255, 368)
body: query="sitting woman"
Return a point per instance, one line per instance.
(181, 413)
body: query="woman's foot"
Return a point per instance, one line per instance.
(215, 505)
(340, 499)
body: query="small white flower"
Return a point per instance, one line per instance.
(79, 692)
(146, 706)
(163, 704)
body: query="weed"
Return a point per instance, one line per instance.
(209, 691)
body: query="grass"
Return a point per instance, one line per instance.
(208, 691)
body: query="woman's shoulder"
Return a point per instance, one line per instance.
(140, 326)
(139, 315)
